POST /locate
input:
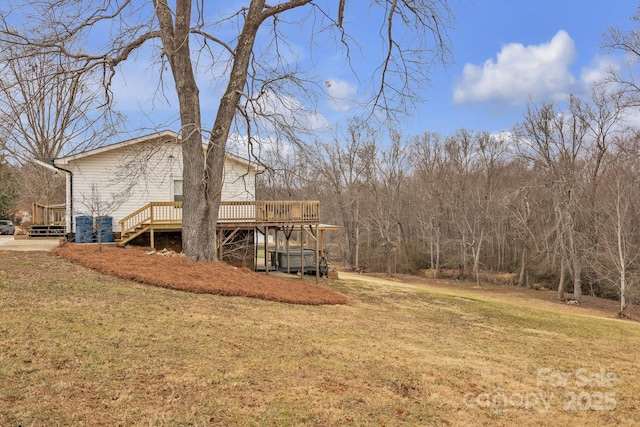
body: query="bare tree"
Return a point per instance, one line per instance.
(45, 108)
(284, 176)
(386, 174)
(616, 257)
(627, 41)
(413, 34)
(39, 185)
(603, 115)
(339, 166)
(429, 193)
(490, 151)
(462, 166)
(8, 188)
(556, 144)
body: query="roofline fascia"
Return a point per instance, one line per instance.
(46, 164)
(165, 133)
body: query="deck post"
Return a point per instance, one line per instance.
(317, 257)
(301, 252)
(288, 257)
(266, 248)
(152, 237)
(277, 242)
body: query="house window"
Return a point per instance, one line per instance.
(177, 190)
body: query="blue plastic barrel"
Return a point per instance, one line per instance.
(104, 229)
(84, 229)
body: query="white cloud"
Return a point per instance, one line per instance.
(599, 70)
(272, 110)
(519, 72)
(341, 94)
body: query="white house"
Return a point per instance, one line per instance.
(138, 182)
(117, 179)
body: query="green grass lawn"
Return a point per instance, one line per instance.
(81, 348)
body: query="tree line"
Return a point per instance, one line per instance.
(554, 200)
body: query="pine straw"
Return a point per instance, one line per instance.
(182, 274)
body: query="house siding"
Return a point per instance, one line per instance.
(117, 182)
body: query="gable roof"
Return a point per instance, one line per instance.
(162, 135)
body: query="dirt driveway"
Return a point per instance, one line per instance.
(8, 243)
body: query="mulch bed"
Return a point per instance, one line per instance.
(180, 273)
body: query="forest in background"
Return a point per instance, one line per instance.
(554, 200)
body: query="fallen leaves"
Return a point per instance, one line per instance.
(177, 272)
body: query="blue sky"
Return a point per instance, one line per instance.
(508, 50)
(504, 53)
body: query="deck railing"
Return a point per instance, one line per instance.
(48, 214)
(168, 213)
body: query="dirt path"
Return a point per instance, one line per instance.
(542, 299)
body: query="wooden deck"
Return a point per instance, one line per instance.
(48, 214)
(165, 216)
(47, 221)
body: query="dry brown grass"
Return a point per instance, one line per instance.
(78, 347)
(218, 278)
(502, 286)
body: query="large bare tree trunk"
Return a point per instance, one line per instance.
(623, 271)
(198, 229)
(563, 278)
(522, 278)
(476, 258)
(203, 176)
(576, 267)
(356, 256)
(438, 264)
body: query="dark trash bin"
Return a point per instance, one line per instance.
(84, 229)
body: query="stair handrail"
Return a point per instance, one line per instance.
(131, 221)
